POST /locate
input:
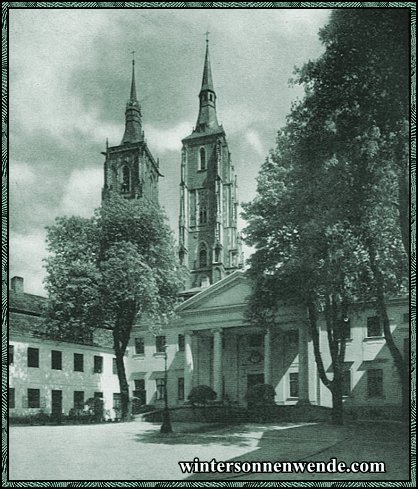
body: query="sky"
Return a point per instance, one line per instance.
(69, 81)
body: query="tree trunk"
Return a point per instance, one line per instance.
(123, 382)
(398, 359)
(337, 415)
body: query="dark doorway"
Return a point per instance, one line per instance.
(56, 403)
(140, 395)
(254, 379)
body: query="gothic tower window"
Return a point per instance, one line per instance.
(203, 256)
(202, 159)
(126, 179)
(203, 214)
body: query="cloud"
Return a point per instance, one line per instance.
(162, 140)
(28, 250)
(20, 174)
(82, 193)
(253, 139)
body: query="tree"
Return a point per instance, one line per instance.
(108, 272)
(332, 214)
(357, 96)
(304, 254)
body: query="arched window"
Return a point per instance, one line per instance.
(202, 159)
(203, 214)
(126, 179)
(203, 256)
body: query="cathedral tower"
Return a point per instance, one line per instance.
(209, 244)
(130, 168)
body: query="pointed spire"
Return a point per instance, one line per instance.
(207, 82)
(133, 87)
(207, 107)
(133, 125)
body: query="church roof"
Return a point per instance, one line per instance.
(209, 131)
(207, 81)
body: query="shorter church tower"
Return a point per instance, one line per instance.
(209, 244)
(130, 169)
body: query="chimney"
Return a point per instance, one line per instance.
(17, 285)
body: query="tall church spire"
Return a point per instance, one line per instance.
(207, 98)
(133, 125)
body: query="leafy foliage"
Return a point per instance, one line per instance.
(109, 272)
(328, 223)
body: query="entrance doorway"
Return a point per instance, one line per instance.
(254, 379)
(56, 403)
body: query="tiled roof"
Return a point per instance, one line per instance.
(25, 320)
(26, 303)
(207, 132)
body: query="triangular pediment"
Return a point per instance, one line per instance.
(231, 291)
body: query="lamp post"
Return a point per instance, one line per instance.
(166, 426)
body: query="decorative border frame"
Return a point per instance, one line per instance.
(6, 6)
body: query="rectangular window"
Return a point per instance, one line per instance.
(116, 400)
(180, 341)
(98, 395)
(139, 346)
(294, 384)
(375, 383)
(56, 359)
(33, 357)
(160, 344)
(11, 397)
(405, 317)
(78, 399)
(346, 329)
(34, 398)
(98, 364)
(114, 367)
(374, 328)
(180, 388)
(11, 358)
(160, 389)
(346, 382)
(78, 362)
(255, 340)
(292, 338)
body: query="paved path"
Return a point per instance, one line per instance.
(137, 451)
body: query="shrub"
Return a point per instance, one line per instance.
(201, 394)
(95, 408)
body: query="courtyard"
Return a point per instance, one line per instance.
(137, 451)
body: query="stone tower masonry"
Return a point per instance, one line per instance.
(209, 244)
(130, 168)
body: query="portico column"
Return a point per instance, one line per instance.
(217, 362)
(303, 376)
(188, 363)
(267, 356)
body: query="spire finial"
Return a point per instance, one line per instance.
(133, 57)
(207, 36)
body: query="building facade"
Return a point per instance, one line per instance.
(212, 343)
(51, 376)
(209, 242)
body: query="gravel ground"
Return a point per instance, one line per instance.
(137, 451)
